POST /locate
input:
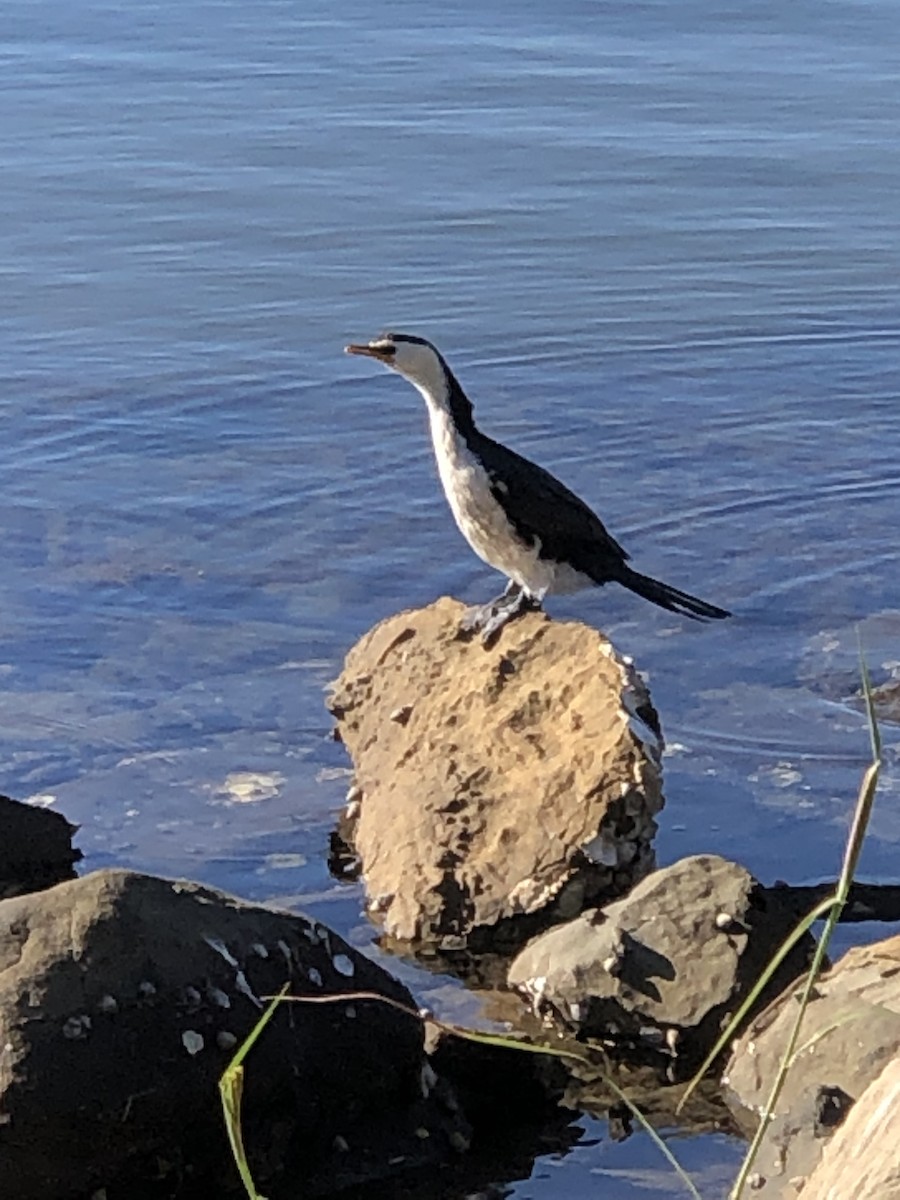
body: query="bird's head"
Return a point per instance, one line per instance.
(413, 357)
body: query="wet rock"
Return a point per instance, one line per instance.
(850, 1032)
(860, 1162)
(36, 848)
(522, 781)
(671, 959)
(122, 999)
(865, 901)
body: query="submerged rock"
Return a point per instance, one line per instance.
(123, 998)
(850, 1033)
(886, 701)
(495, 784)
(830, 663)
(36, 848)
(675, 956)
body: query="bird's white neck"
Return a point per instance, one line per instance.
(431, 382)
(424, 368)
(445, 437)
(443, 398)
(449, 409)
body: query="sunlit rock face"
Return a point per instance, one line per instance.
(499, 785)
(848, 1052)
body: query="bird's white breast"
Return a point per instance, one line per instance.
(482, 520)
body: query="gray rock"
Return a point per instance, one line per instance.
(521, 782)
(850, 1032)
(36, 848)
(122, 998)
(677, 954)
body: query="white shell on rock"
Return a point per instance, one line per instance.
(344, 965)
(192, 1041)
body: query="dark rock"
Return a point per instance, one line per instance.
(520, 784)
(36, 848)
(850, 1032)
(497, 1085)
(674, 957)
(865, 901)
(122, 998)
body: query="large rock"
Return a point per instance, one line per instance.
(675, 956)
(850, 1033)
(36, 848)
(122, 999)
(491, 784)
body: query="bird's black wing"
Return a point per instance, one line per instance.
(539, 506)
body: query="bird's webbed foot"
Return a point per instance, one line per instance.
(488, 619)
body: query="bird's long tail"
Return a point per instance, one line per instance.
(669, 597)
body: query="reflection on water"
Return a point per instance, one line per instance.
(659, 245)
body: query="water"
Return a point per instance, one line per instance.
(659, 244)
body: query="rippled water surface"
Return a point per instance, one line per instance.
(660, 245)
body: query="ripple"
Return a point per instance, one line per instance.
(816, 746)
(795, 500)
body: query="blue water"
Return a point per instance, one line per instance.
(660, 245)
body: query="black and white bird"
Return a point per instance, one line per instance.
(514, 514)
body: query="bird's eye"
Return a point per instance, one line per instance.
(388, 349)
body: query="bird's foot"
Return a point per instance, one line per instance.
(488, 619)
(475, 619)
(490, 630)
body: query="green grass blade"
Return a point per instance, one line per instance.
(231, 1090)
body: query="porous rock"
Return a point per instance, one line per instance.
(122, 1000)
(850, 1033)
(495, 783)
(36, 848)
(675, 955)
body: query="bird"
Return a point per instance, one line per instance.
(515, 515)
